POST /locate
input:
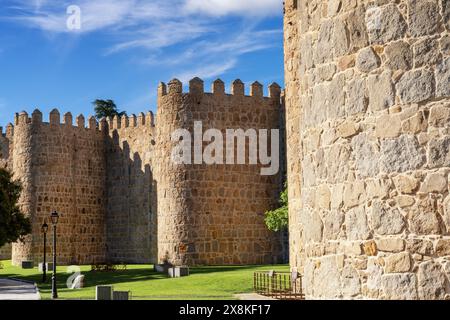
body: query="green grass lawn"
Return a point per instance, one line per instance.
(204, 283)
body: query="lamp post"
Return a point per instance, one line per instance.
(54, 218)
(44, 230)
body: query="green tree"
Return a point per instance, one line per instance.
(278, 219)
(106, 108)
(13, 224)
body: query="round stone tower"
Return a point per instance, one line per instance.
(212, 213)
(368, 118)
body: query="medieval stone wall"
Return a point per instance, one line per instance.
(61, 167)
(214, 214)
(5, 252)
(373, 144)
(131, 190)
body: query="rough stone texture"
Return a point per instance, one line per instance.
(402, 154)
(426, 52)
(391, 244)
(214, 214)
(443, 79)
(367, 60)
(399, 286)
(385, 23)
(399, 56)
(122, 199)
(386, 220)
(423, 16)
(381, 91)
(383, 151)
(416, 86)
(432, 281)
(399, 262)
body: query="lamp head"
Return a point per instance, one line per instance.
(54, 217)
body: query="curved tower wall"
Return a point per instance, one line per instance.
(214, 214)
(62, 168)
(368, 104)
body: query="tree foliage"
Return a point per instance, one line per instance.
(278, 219)
(13, 224)
(106, 108)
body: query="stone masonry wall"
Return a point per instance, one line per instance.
(214, 214)
(61, 168)
(131, 193)
(5, 252)
(374, 147)
(292, 61)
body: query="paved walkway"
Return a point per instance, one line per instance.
(18, 290)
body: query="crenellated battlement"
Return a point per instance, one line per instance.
(54, 120)
(132, 121)
(237, 89)
(114, 179)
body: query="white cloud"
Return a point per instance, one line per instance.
(189, 35)
(236, 7)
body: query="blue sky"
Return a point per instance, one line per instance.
(125, 47)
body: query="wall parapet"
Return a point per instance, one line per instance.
(237, 89)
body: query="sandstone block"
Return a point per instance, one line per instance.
(346, 62)
(313, 227)
(354, 194)
(415, 124)
(367, 60)
(443, 79)
(381, 92)
(385, 24)
(431, 281)
(446, 13)
(404, 201)
(401, 154)
(416, 86)
(399, 286)
(327, 283)
(369, 248)
(399, 56)
(439, 115)
(443, 247)
(423, 16)
(423, 220)
(347, 129)
(388, 126)
(439, 152)
(445, 44)
(399, 262)
(351, 248)
(386, 220)
(356, 224)
(434, 182)
(426, 52)
(390, 244)
(356, 97)
(333, 221)
(406, 184)
(351, 283)
(357, 29)
(419, 246)
(367, 157)
(447, 212)
(323, 197)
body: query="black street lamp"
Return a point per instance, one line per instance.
(54, 218)
(44, 230)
